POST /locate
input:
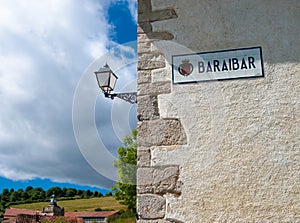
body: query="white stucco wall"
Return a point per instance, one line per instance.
(242, 160)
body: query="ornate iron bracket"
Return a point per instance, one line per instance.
(130, 97)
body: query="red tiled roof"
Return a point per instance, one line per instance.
(13, 212)
(90, 214)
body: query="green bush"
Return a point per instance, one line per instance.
(125, 217)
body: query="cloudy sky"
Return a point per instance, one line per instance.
(55, 127)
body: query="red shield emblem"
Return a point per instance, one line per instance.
(186, 68)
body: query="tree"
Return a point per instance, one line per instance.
(24, 196)
(89, 193)
(125, 188)
(38, 194)
(5, 195)
(70, 192)
(108, 194)
(14, 197)
(95, 194)
(29, 188)
(80, 193)
(55, 190)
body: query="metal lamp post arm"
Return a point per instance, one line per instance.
(130, 97)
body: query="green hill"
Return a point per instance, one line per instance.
(79, 204)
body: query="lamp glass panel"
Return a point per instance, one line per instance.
(113, 80)
(103, 80)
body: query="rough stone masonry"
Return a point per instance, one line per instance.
(218, 151)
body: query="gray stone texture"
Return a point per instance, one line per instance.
(158, 180)
(148, 108)
(144, 27)
(145, 47)
(144, 76)
(151, 206)
(148, 61)
(154, 88)
(160, 35)
(161, 132)
(144, 6)
(163, 14)
(143, 157)
(157, 15)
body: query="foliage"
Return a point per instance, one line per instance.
(125, 217)
(105, 209)
(108, 194)
(125, 188)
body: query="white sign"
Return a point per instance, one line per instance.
(218, 65)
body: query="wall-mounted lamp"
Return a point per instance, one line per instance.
(107, 80)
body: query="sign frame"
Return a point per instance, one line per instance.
(184, 70)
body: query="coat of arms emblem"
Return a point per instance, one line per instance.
(186, 68)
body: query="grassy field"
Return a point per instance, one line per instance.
(79, 204)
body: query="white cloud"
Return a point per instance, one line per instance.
(11, 81)
(11, 174)
(45, 46)
(95, 49)
(132, 5)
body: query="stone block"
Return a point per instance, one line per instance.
(154, 88)
(148, 61)
(161, 132)
(144, 76)
(144, 17)
(144, 27)
(144, 47)
(150, 206)
(168, 155)
(160, 35)
(161, 75)
(147, 108)
(144, 6)
(142, 37)
(163, 14)
(158, 180)
(143, 157)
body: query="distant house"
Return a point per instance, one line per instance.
(53, 209)
(91, 217)
(13, 215)
(52, 212)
